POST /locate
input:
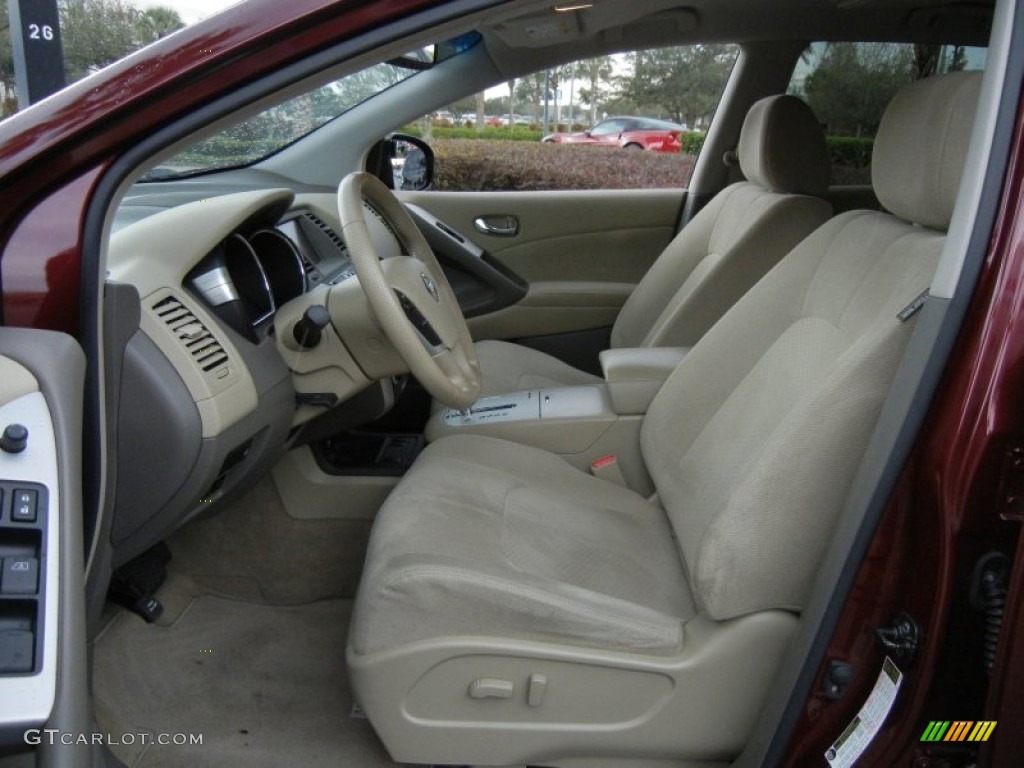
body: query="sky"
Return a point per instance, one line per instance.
(190, 11)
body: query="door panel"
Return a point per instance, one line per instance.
(580, 252)
(43, 677)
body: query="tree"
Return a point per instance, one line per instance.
(854, 82)
(596, 72)
(8, 101)
(94, 33)
(99, 32)
(156, 22)
(479, 106)
(685, 82)
(531, 90)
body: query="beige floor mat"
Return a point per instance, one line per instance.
(264, 685)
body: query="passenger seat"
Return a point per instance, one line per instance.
(727, 247)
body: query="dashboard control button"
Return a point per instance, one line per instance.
(14, 439)
(20, 576)
(16, 650)
(23, 508)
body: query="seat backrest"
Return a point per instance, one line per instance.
(739, 235)
(754, 439)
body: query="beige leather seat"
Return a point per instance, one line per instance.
(515, 610)
(715, 259)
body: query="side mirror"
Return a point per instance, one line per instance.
(402, 162)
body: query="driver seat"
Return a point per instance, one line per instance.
(727, 247)
(514, 610)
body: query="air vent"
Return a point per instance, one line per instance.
(333, 236)
(307, 266)
(205, 350)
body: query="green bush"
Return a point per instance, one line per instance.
(497, 165)
(517, 133)
(691, 143)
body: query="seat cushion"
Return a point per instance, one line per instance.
(508, 367)
(485, 537)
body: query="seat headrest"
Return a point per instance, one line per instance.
(782, 147)
(921, 146)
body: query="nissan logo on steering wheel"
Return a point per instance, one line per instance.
(429, 285)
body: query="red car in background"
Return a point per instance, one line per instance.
(628, 132)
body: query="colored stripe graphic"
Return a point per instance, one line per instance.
(935, 731)
(982, 730)
(958, 730)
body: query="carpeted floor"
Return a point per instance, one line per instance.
(264, 685)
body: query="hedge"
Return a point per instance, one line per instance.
(848, 151)
(492, 165)
(851, 157)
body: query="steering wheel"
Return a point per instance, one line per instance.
(409, 294)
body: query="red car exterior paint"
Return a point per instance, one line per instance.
(961, 495)
(626, 132)
(57, 147)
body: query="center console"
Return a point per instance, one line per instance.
(583, 424)
(577, 423)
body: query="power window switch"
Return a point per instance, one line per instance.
(17, 648)
(20, 576)
(23, 507)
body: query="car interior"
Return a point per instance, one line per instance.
(549, 478)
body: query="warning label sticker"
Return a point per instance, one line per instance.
(858, 735)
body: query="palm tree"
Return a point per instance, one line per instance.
(156, 22)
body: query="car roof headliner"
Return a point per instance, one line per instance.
(522, 37)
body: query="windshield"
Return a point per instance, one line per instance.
(275, 128)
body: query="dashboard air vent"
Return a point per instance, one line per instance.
(199, 343)
(320, 224)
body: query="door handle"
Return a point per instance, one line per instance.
(499, 226)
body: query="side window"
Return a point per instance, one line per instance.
(575, 126)
(848, 85)
(609, 127)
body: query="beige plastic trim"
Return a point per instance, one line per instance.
(158, 251)
(154, 255)
(328, 367)
(309, 493)
(15, 381)
(323, 204)
(634, 375)
(589, 430)
(697, 705)
(223, 396)
(608, 235)
(555, 307)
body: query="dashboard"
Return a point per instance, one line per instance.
(209, 378)
(207, 385)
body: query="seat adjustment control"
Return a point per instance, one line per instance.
(14, 439)
(491, 688)
(538, 687)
